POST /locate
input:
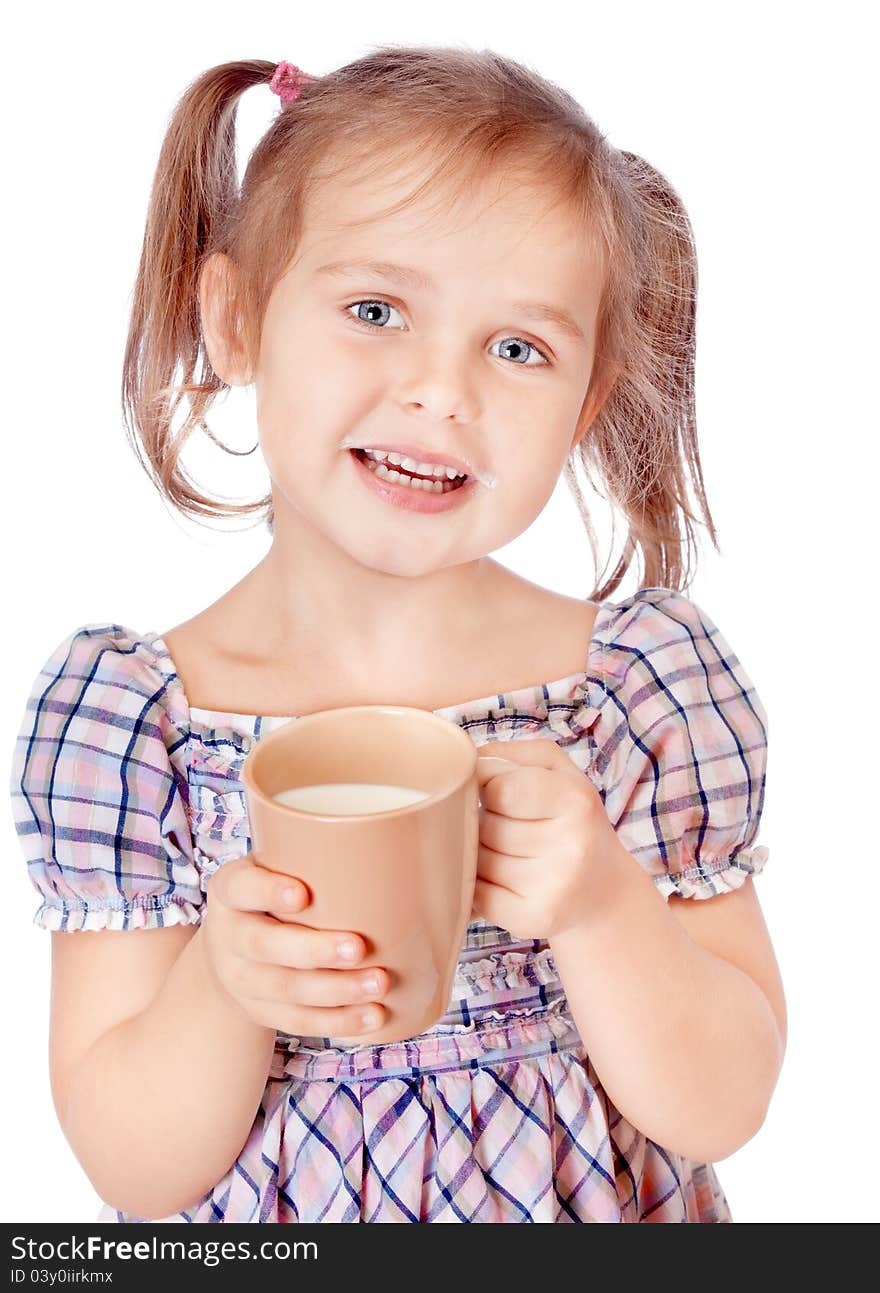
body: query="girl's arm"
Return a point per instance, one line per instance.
(680, 1008)
(158, 1108)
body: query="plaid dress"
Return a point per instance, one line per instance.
(127, 800)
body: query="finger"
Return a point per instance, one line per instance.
(262, 938)
(531, 752)
(489, 766)
(517, 838)
(292, 893)
(498, 869)
(330, 988)
(247, 886)
(497, 905)
(318, 1021)
(530, 793)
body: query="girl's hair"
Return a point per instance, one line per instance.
(473, 113)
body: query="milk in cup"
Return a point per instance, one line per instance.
(348, 798)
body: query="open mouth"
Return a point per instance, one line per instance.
(396, 474)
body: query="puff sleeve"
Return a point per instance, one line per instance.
(99, 789)
(681, 743)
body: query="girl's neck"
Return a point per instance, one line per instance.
(517, 634)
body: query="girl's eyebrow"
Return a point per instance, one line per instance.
(411, 277)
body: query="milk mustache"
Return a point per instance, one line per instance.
(347, 798)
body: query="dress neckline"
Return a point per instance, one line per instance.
(518, 698)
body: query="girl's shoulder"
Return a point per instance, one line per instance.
(659, 642)
(662, 624)
(105, 670)
(99, 786)
(658, 654)
(680, 739)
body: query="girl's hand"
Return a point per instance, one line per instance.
(283, 975)
(545, 840)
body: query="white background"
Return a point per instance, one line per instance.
(760, 117)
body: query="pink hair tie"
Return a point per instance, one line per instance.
(287, 81)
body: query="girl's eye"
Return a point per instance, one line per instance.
(373, 314)
(368, 310)
(521, 347)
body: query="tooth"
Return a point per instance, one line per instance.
(431, 486)
(436, 471)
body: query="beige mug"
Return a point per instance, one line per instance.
(402, 878)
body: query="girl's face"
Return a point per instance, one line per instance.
(455, 359)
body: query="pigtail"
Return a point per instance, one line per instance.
(645, 434)
(193, 206)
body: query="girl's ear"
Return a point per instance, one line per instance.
(592, 404)
(221, 321)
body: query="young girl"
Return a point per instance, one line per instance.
(446, 287)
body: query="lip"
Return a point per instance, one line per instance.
(408, 498)
(420, 454)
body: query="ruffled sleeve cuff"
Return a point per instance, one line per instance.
(711, 878)
(146, 913)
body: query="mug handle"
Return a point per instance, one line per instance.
(482, 760)
(492, 758)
